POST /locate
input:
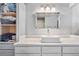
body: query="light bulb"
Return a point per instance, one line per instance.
(47, 9)
(53, 9)
(42, 8)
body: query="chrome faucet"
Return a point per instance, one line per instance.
(48, 30)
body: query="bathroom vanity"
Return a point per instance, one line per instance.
(33, 46)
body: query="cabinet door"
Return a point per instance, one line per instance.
(51, 50)
(71, 49)
(6, 46)
(27, 54)
(27, 50)
(51, 54)
(6, 52)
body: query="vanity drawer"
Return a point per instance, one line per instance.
(27, 50)
(27, 54)
(71, 49)
(51, 54)
(6, 52)
(70, 54)
(51, 49)
(6, 46)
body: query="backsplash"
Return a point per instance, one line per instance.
(51, 32)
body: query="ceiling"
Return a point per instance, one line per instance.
(61, 4)
(53, 4)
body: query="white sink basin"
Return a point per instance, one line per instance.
(50, 40)
(59, 38)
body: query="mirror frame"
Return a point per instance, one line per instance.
(44, 14)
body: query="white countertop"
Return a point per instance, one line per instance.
(74, 40)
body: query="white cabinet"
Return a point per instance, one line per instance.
(6, 52)
(37, 51)
(51, 51)
(58, 51)
(46, 50)
(6, 49)
(71, 51)
(6, 46)
(28, 50)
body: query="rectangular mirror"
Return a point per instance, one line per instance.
(47, 20)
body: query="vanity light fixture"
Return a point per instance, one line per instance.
(47, 8)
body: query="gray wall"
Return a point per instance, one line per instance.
(75, 19)
(66, 20)
(21, 19)
(26, 23)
